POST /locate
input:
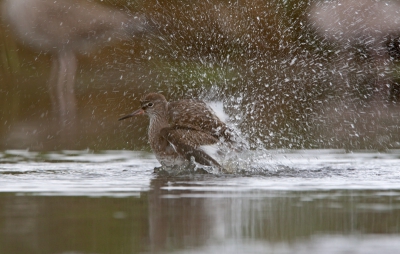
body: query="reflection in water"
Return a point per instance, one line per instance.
(165, 219)
(80, 202)
(20, 226)
(69, 224)
(199, 219)
(176, 223)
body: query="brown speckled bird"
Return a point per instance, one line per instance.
(178, 130)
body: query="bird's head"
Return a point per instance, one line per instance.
(153, 104)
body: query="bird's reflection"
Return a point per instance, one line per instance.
(188, 213)
(172, 216)
(65, 28)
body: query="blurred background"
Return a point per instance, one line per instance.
(292, 74)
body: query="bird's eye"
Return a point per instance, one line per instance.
(150, 104)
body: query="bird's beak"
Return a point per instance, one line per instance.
(135, 113)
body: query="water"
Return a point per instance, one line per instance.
(282, 84)
(305, 201)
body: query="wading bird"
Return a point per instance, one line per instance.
(179, 130)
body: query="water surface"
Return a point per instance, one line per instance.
(306, 201)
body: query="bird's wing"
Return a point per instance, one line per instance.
(187, 142)
(197, 115)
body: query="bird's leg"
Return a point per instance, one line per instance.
(188, 151)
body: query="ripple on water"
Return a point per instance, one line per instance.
(128, 172)
(329, 244)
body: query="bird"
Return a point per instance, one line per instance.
(65, 28)
(179, 130)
